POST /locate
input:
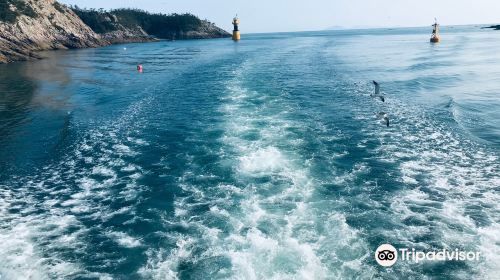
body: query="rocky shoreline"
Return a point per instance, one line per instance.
(52, 26)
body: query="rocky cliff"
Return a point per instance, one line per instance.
(122, 34)
(205, 30)
(48, 25)
(29, 26)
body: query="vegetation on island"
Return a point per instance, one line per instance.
(11, 9)
(159, 25)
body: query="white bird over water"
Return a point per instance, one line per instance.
(384, 117)
(377, 93)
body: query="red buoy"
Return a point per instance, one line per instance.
(139, 68)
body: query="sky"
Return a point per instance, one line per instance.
(303, 15)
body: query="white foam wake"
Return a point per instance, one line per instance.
(275, 229)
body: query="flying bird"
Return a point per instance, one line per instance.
(377, 93)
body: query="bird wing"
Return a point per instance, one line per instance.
(377, 88)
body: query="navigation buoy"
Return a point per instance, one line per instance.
(139, 68)
(236, 31)
(435, 33)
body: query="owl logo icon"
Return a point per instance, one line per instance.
(386, 255)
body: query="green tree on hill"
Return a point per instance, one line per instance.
(11, 9)
(156, 24)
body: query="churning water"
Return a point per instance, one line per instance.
(256, 160)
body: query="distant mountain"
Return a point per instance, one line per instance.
(336, 27)
(29, 26)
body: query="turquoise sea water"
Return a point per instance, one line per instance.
(261, 159)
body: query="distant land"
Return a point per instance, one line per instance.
(30, 26)
(131, 25)
(496, 27)
(357, 27)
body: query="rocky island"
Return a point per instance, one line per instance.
(29, 26)
(496, 27)
(132, 25)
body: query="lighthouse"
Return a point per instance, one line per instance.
(435, 33)
(236, 31)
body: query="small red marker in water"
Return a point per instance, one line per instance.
(139, 68)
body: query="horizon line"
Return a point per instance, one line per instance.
(371, 28)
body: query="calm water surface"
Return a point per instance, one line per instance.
(256, 160)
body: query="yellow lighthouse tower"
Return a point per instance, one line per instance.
(236, 31)
(435, 33)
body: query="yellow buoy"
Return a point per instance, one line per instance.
(236, 31)
(435, 33)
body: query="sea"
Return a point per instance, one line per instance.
(261, 159)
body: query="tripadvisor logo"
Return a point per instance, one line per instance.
(386, 255)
